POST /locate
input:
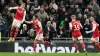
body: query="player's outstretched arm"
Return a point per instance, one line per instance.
(28, 22)
(24, 17)
(13, 8)
(93, 29)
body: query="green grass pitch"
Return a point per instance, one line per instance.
(47, 54)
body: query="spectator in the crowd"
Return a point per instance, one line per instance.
(60, 32)
(51, 10)
(5, 11)
(49, 31)
(95, 6)
(98, 18)
(92, 14)
(86, 11)
(80, 18)
(24, 30)
(9, 18)
(86, 27)
(3, 27)
(78, 10)
(36, 6)
(75, 1)
(71, 9)
(65, 25)
(20, 1)
(54, 5)
(28, 6)
(31, 12)
(12, 3)
(43, 16)
(53, 23)
(62, 15)
(2, 5)
(85, 16)
(45, 5)
(31, 34)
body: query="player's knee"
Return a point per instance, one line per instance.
(73, 39)
(17, 29)
(96, 43)
(35, 42)
(81, 41)
(12, 28)
(92, 40)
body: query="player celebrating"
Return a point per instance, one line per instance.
(76, 34)
(95, 35)
(17, 21)
(39, 32)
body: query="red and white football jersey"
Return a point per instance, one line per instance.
(38, 26)
(75, 28)
(19, 14)
(96, 30)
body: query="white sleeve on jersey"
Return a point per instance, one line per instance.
(24, 16)
(70, 25)
(81, 25)
(13, 8)
(94, 27)
(39, 24)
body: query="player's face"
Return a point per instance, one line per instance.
(91, 19)
(23, 5)
(73, 17)
(34, 18)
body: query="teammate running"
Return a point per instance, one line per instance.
(76, 34)
(95, 35)
(39, 32)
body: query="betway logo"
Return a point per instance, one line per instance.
(41, 47)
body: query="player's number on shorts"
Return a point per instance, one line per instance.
(76, 27)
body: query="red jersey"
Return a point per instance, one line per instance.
(96, 30)
(19, 14)
(75, 26)
(37, 25)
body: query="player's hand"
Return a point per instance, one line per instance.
(24, 20)
(87, 32)
(9, 9)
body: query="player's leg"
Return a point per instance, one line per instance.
(82, 43)
(18, 24)
(35, 45)
(16, 33)
(12, 30)
(41, 38)
(75, 44)
(95, 42)
(35, 42)
(11, 33)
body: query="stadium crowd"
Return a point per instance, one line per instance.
(54, 15)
